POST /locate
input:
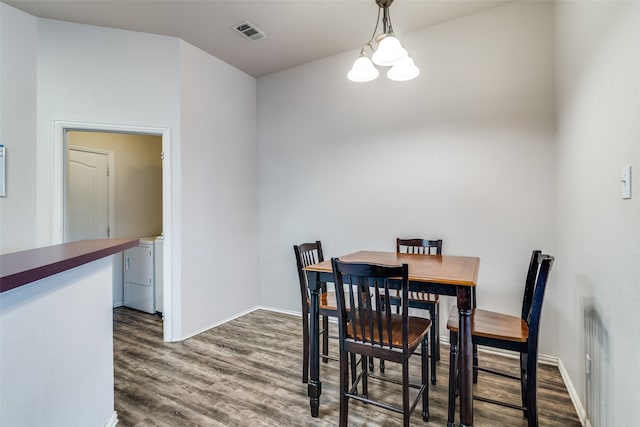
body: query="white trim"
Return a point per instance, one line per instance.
(247, 311)
(282, 311)
(113, 421)
(172, 291)
(222, 322)
(573, 394)
(543, 359)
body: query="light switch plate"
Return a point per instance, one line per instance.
(626, 182)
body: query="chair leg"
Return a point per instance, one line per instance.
(437, 327)
(344, 388)
(532, 390)
(425, 379)
(365, 377)
(305, 348)
(434, 340)
(453, 380)
(354, 366)
(325, 338)
(474, 303)
(523, 382)
(406, 415)
(372, 365)
(475, 363)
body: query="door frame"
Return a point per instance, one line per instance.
(110, 190)
(171, 288)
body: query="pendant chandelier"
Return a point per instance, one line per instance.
(389, 53)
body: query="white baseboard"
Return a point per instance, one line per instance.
(542, 358)
(222, 322)
(113, 421)
(577, 403)
(280, 310)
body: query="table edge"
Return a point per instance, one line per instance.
(327, 268)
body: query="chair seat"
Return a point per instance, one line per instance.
(418, 328)
(490, 324)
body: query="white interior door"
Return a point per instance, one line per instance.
(87, 195)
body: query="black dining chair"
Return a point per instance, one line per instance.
(370, 330)
(519, 334)
(424, 300)
(308, 254)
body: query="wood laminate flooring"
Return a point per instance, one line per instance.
(247, 372)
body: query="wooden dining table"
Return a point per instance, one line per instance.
(438, 274)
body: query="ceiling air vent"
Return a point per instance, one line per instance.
(250, 31)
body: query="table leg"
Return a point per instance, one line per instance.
(466, 357)
(314, 387)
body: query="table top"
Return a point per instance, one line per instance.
(446, 269)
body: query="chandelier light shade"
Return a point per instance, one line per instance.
(389, 53)
(363, 70)
(403, 70)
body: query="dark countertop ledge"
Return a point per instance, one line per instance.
(24, 267)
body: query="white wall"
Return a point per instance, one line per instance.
(219, 190)
(464, 153)
(57, 350)
(100, 75)
(17, 128)
(598, 93)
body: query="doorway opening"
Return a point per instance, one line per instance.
(119, 200)
(126, 145)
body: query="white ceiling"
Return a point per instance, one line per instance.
(298, 31)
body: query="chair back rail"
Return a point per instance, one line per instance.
(419, 246)
(544, 263)
(307, 254)
(529, 284)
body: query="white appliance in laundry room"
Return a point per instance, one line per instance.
(141, 265)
